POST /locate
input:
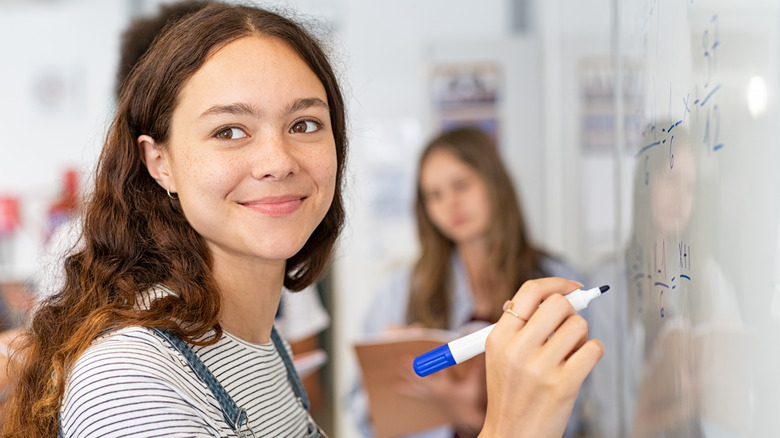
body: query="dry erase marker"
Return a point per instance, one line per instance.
(465, 348)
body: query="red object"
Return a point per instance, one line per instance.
(69, 195)
(9, 215)
(65, 206)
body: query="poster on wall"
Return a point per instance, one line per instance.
(596, 86)
(467, 94)
(596, 81)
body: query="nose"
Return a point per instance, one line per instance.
(274, 158)
(449, 199)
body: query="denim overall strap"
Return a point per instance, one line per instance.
(292, 375)
(234, 416)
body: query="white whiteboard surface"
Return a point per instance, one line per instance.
(699, 342)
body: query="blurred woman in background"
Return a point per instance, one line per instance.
(475, 252)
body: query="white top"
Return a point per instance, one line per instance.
(132, 383)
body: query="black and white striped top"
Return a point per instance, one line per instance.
(132, 383)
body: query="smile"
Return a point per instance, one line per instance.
(280, 206)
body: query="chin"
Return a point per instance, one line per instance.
(277, 252)
(281, 251)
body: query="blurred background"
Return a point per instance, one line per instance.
(536, 74)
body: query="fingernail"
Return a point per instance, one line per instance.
(506, 305)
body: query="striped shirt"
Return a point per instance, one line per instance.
(130, 382)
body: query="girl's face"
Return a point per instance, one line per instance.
(455, 197)
(252, 156)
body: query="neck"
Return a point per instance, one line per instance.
(250, 297)
(474, 255)
(478, 269)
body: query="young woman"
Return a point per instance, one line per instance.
(220, 182)
(469, 220)
(474, 254)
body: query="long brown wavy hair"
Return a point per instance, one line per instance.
(510, 252)
(134, 236)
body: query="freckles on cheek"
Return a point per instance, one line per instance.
(322, 166)
(202, 175)
(329, 174)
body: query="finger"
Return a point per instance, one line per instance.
(508, 308)
(567, 339)
(530, 295)
(547, 319)
(533, 292)
(582, 361)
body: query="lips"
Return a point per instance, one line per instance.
(276, 206)
(459, 220)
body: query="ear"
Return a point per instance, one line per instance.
(156, 160)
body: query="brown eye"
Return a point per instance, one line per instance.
(304, 126)
(231, 134)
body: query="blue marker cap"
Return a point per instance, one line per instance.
(434, 360)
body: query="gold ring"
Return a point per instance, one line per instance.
(508, 309)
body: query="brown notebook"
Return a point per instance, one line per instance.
(393, 414)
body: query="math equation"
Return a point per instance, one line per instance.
(684, 104)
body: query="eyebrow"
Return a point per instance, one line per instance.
(236, 109)
(309, 102)
(245, 109)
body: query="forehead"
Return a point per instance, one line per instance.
(441, 164)
(251, 67)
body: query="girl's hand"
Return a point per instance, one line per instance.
(536, 362)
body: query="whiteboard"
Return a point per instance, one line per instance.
(700, 346)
